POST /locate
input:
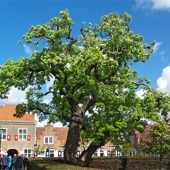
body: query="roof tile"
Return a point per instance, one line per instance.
(7, 111)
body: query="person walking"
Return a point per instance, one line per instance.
(4, 161)
(10, 163)
(19, 162)
(13, 161)
(25, 163)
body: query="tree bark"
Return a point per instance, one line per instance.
(73, 138)
(88, 153)
(72, 143)
(160, 162)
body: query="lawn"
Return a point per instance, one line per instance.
(53, 164)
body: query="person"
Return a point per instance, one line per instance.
(25, 162)
(19, 162)
(4, 161)
(10, 163)
(13, 161)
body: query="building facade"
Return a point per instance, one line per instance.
(21, 136)
(17, 135)
(51, 140)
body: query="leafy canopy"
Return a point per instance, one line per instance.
(90, 73)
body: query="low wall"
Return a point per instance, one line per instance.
(144, 163)
(108, 163)
(129, 163)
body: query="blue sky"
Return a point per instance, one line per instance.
(150, 18)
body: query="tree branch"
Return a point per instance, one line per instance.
(141, 84)
(82, 32)
(73, 40)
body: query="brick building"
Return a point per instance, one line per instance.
(51, 140)
(17, 134)
(21, 136)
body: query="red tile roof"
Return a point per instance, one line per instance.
(7, 111)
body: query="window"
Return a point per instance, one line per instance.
(41, 154)
(51, 152)
(101, 153)
(48, 140)
(95, 153)
(3, 134)
(22, 134)
(27, 152)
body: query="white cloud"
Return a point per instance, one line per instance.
(163, 82)
(15, 97)
(140, 93)
(44, 123)
(153, 4)
(27, 49)
(143, 3)
(161, 4)
(156, 46)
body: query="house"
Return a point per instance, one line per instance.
(51, 140)
(17, 135)
(138, 137)
(21, 136)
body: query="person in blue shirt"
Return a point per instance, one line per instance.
(4, 161)
(9, 162)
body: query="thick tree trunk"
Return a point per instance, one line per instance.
(73, 136)
(73, 139)
(87, 154)
(72, 143)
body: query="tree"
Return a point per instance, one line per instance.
(127, 148)
(93, 87)
(37, 150)
(160, 141)
(159, 135)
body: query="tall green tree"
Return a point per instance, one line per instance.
(93, 85)
(160, 142)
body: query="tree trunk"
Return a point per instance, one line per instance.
(72, 144)
(160, 162)
(73, 138)
(88, 153)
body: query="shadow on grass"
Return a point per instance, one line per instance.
(53, 164)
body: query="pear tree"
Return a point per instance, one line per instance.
(92, 82)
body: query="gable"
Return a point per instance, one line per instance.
(60, 132)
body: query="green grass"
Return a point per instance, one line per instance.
(53, 164)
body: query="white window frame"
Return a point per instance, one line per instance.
(22, 136)
(28, 152)
(3, 133)
(51, 151)
(41, 153)
(47, 139)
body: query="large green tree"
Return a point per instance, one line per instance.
(93, 85)
(160, 141)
